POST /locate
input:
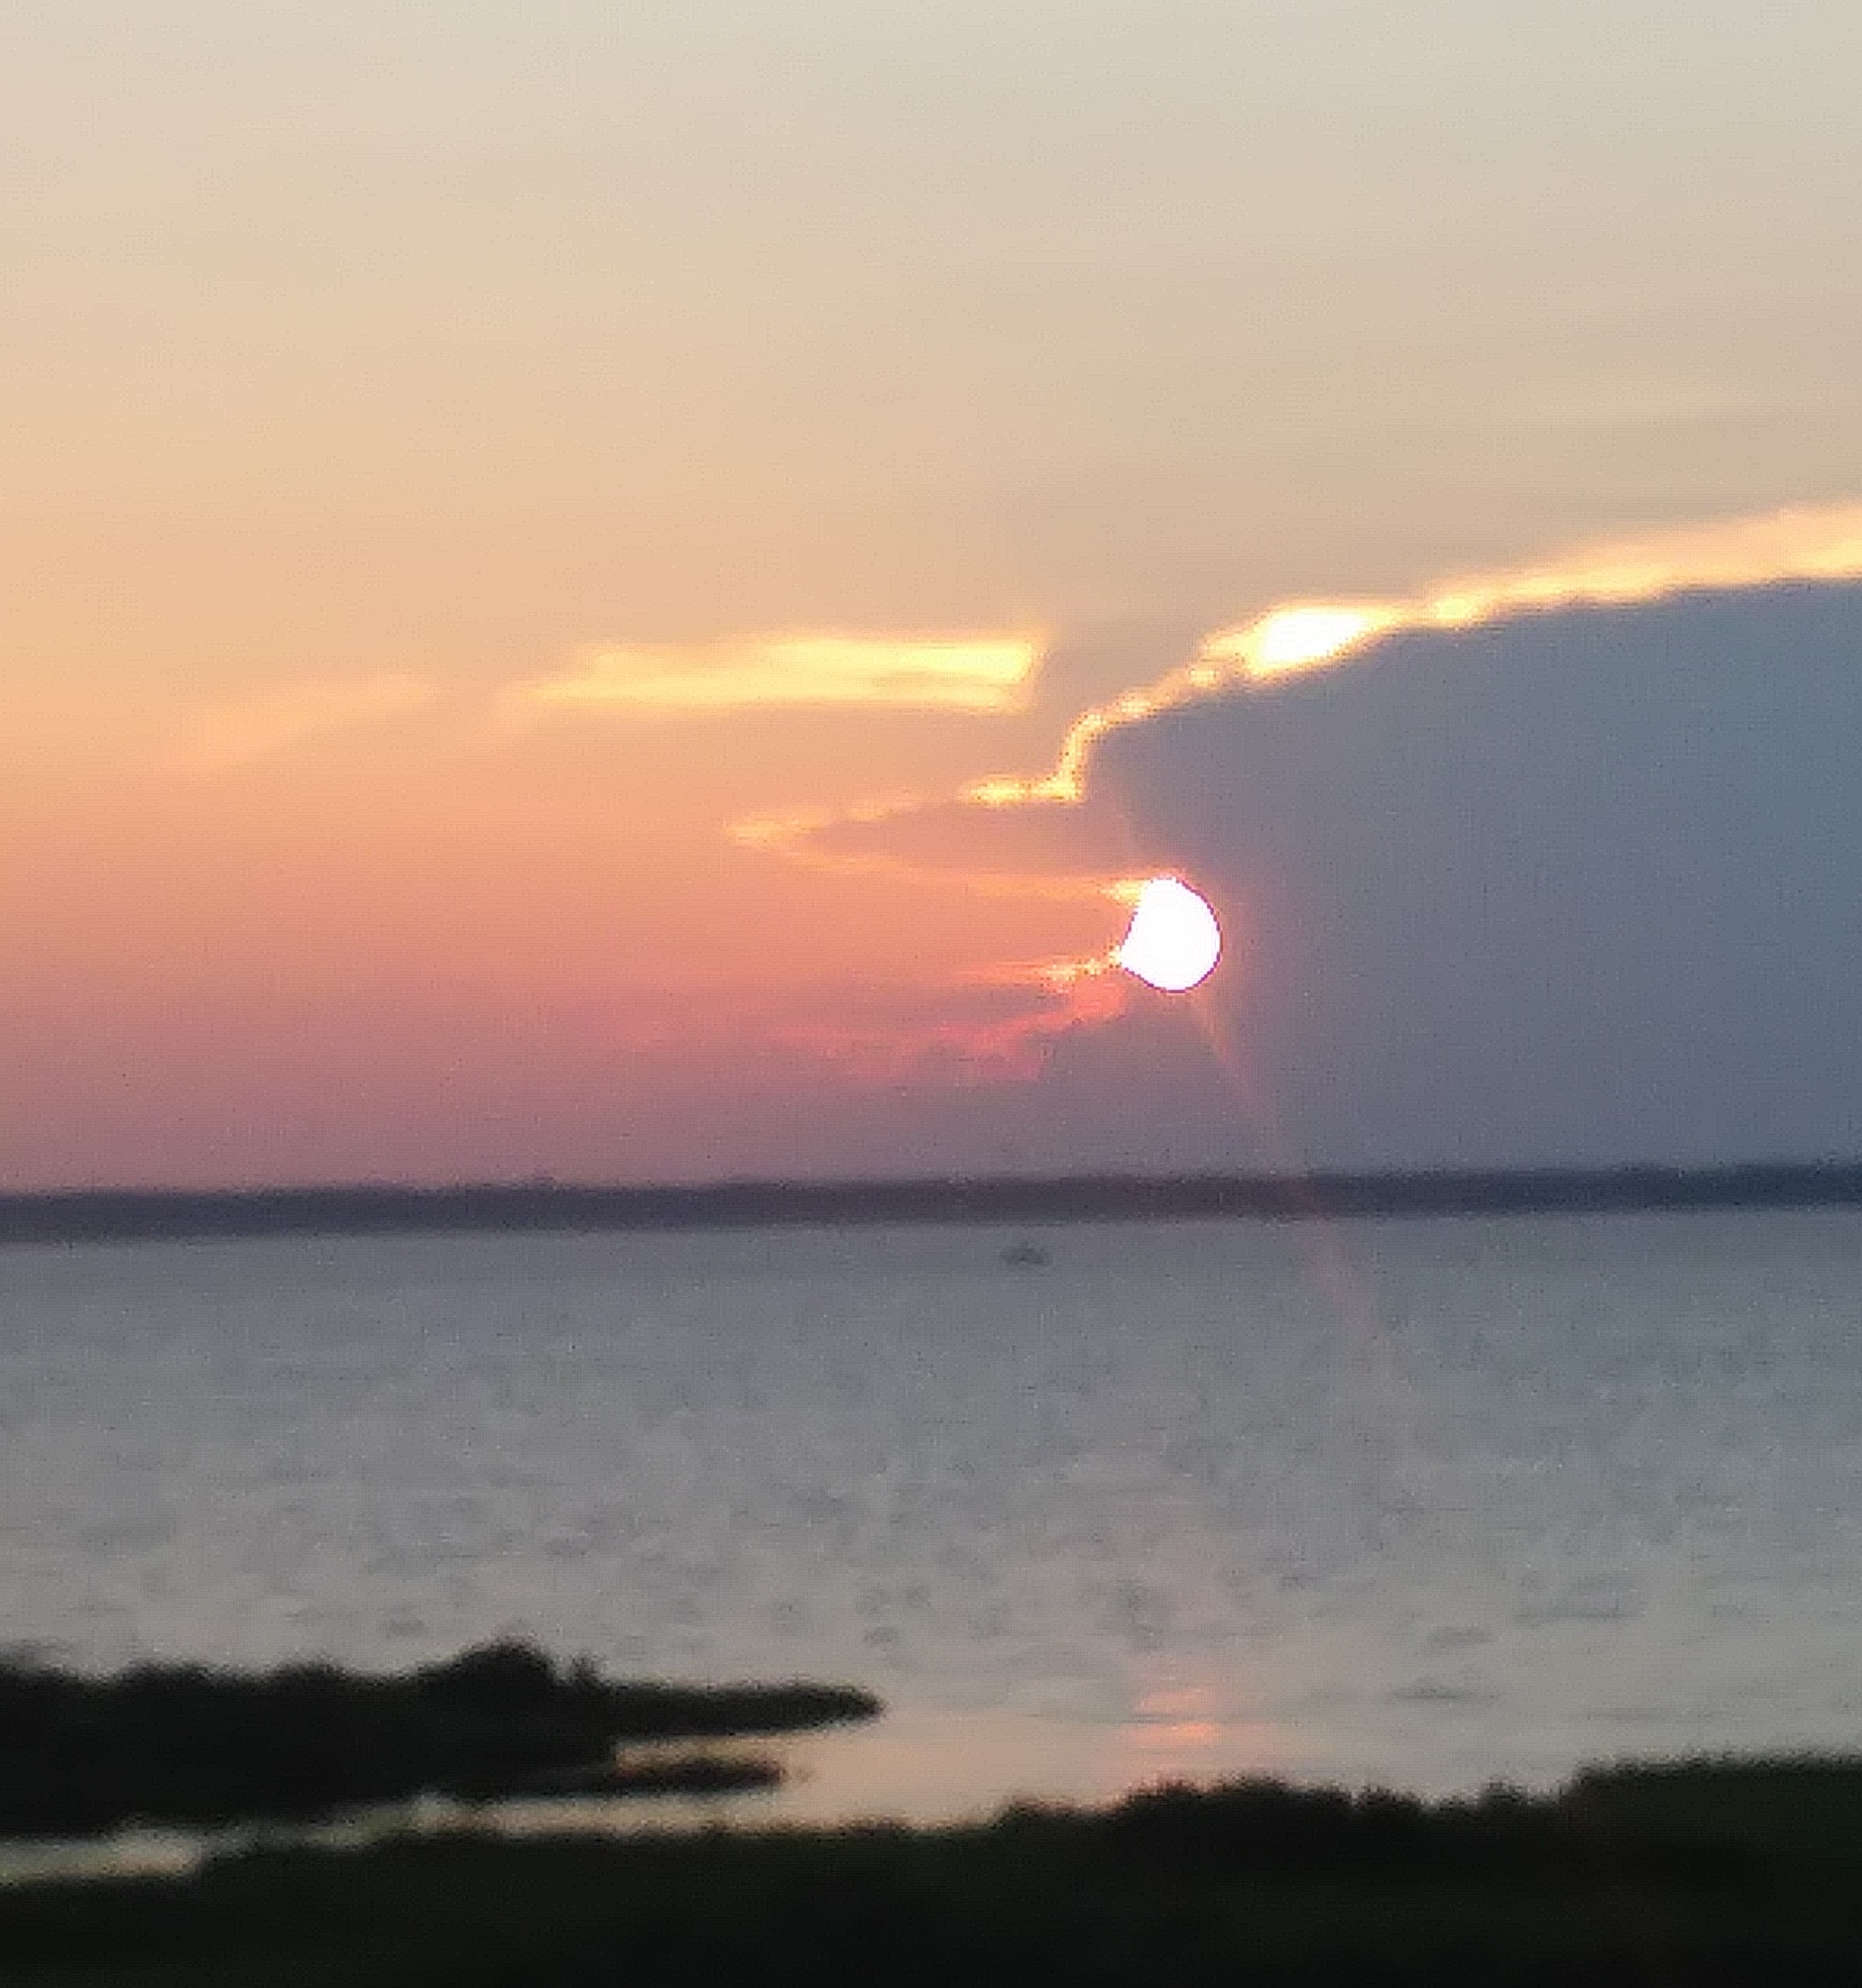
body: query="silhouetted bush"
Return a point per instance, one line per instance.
(1267, 1825)
(186, 1743)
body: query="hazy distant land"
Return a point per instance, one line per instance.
(92, 1215)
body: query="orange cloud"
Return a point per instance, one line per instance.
(989, 675)
(996, 1029)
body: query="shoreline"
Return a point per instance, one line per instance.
(84, 1215)
(1710, 1870)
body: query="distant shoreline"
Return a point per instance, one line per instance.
(100, 1215)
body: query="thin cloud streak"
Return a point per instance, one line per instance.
(1008, 1048)
(226, 737)
(987, 675)
(987, 1027)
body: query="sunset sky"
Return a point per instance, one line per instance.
(570, 569)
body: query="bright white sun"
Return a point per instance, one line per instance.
(1173, 941)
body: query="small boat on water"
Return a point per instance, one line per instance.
(1026, 1256)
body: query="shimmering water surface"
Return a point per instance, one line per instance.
(1425, 1501)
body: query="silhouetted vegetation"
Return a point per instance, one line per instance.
(1805, 1807)
(185, 1744)
(1675, 1875)
(1264, 1826)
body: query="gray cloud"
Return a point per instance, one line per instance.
(1582, 887)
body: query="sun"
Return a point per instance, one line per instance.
(1173, 941)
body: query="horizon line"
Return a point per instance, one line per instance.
(540, 1204)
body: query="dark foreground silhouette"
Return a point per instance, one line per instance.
(185, 1744)
(1700, 1873)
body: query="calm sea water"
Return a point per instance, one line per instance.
(1425, 1501)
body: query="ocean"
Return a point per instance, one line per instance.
(1425, 1502)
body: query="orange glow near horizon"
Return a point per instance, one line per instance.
(974, 919)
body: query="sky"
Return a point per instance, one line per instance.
(626, 593)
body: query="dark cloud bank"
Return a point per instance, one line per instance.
(1584, 888)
